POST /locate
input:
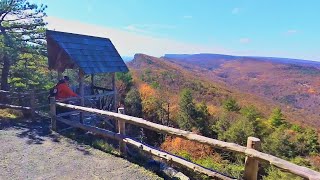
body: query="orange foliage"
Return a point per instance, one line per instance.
(213, 109)
(196, 150)
(315, 161)
(312, 91)
(146, 91)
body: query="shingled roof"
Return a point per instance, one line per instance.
(92, 55)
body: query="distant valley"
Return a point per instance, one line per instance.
(264, 82)
(293, 83)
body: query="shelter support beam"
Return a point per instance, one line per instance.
(81, 92)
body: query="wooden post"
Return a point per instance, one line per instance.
(20, 96)
(114, 88)
(32, 103)
(122, 131)
(53, 113)
(81, 91)
(251, 164)
(92, 84)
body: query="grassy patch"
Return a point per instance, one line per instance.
(91, 140)
(10, 114)
(103, 146)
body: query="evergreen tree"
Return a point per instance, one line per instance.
(276, 118)
(133, 103)
(231, 105)
(202, 120)
(253, 116)
(239, 132)
(188, 111)
(22, 31)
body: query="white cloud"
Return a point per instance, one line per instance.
(235, 10)
(134, 28)
(130, 42)
(187, 17)
(148, 28)
(291, 31)
(244, 40)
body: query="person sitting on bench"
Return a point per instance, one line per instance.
(64, 90)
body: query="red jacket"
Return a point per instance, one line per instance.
(64, 91)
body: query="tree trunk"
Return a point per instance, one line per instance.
(4, 79)
(5, 74)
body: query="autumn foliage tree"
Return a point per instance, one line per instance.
(124, 83)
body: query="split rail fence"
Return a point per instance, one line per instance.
(252, 153)
(30, 101)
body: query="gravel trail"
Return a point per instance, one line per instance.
(29, 151)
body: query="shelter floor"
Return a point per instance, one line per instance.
(29, 151)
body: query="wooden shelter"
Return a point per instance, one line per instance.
(90, 55)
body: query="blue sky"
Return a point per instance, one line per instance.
(249, 27)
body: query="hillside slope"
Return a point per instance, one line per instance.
(169, 78)
(294, 86)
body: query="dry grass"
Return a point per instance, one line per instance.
(10, 114)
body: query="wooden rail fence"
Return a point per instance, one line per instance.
(253, 156)
(30, 96)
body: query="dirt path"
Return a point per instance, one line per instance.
(29, 151)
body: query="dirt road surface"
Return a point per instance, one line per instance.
(29, 151)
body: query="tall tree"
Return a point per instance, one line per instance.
(133, 103)
(276, 117)
(202, 120)
(22, 30)
(231, 105)
(188, 112)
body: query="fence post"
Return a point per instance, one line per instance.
(32, 103)
(122, 131)
(81, 89)
(53, 113)
(251, 164)
(114, 88)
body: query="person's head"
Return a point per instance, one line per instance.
(66, 79)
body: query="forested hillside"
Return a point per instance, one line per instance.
(170, 94)
(293, 85)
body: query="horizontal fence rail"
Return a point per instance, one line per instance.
(146, 148)
(25, 101)
(249, 152)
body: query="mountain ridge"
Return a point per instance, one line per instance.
(233, 57)
(187, 75)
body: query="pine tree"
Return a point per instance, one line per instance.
(276, 117)
(133, 103)
(188, 111)
(231, 105)
(202, 119)
(21, 31)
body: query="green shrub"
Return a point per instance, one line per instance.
(103, 146)
(231, 105)
(275, 174)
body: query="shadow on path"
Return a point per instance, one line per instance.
(35, 131)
